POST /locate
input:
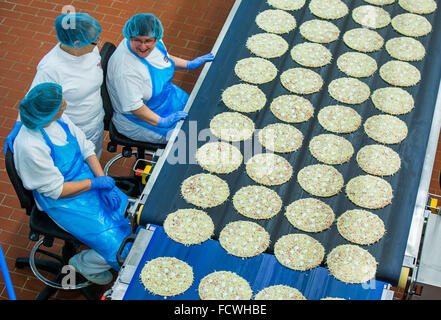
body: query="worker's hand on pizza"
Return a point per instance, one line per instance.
(110, 198)
(104, 182)
(9, 142)
(171, 119)
(196, 63)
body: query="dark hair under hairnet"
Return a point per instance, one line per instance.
(77, 29)
(40, 105)
(143, 25)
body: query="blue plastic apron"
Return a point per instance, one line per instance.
(84, 215)
(167, 98)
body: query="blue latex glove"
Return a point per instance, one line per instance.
(171, 119)
(9, 142)
(110, 198)
(196, 63)
(104, 182)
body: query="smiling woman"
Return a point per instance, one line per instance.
(146, 104)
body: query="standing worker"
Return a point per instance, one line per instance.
(75, 64)
(146, 104)
(55, 160)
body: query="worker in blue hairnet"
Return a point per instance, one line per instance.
(146, 104)
(75, 64)
(57, 162)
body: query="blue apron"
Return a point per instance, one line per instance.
(167, 98)
(84, 215)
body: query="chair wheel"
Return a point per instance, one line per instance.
(127, 152)
(111, 148)
(21, 264)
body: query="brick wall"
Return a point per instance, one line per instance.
(27, 34)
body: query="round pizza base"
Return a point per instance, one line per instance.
(339, 119)
(320, 180)
(418, 6)
(310, 215)
(319, 31)
(351, 264)
(289, 5)
(224, 285)
(257, 202)
(363, 40)
(312, 55)
(276, 21)
(299, 251)
(166, 276)
(205, 190)
(369, 192)
(281, 137)
(232, 126)
(279, 292)
(244, 239)
(267, 45)
(349, 90)
(255, 70)
(301, 80)
(244, 97)
(357, 64)
(405, 48)
(385, 129)
(328, 9)
(378, 160)
(360, 227)
(189, 226)
(219, 157)
(393, 100)
(331, 149)
(411, 25)
(292, 108)
(400, 73)
(269, 169)
(371, 16)
(380, 2)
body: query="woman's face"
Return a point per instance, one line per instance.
(142, 46)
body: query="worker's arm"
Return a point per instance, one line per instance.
(191, 64)
(145, 114)
(179, 62)
(73, 188)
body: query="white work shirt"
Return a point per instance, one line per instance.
(129, 84)
(33, 160)
(81, 79)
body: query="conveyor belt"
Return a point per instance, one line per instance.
(164, 192)
(260, 272)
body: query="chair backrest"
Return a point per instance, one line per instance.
(105, 53)
(25, 196)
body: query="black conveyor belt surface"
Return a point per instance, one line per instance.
(165, 196)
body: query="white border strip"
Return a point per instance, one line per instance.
(413, 242)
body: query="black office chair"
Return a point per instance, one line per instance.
(41, 224)
(116, 138)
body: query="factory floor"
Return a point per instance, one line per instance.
(27, 34)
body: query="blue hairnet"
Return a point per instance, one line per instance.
(40, 105)
(77, 29)
(143, 25)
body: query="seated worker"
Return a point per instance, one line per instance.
(55, 160)
(75, 64)
(146, 104)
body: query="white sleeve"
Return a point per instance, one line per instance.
(130, 91)
(36, 168)
(44, 75)
(86, 146)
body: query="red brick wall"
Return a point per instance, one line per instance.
(27, 34)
